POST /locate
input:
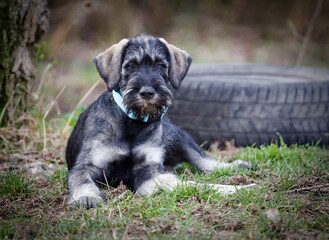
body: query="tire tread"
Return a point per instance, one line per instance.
(213, 107)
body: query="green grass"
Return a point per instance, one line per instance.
(187, 212)
(14, 184)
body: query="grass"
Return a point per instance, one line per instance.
(290, 202)
(36, 209)
(15, 184)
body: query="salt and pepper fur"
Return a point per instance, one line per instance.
(106, 146)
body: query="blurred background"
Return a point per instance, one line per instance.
(224, 31)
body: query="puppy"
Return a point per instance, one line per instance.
(125, 134)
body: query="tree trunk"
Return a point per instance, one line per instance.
(22, 24)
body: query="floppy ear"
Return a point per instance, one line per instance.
(108, 63)
(180, 62)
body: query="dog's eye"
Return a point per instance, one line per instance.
(162, 65)
(130, 66)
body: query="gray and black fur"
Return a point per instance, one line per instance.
(106, 146)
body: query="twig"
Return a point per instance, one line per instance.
(121, 196)
(107, 184)
(309, 31)
(37, 93)
(66, 128)
(6, 105)
(44, 120)
(294, 31)
(307, 188)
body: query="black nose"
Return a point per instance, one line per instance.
(147, 93)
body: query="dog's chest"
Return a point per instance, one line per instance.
(131, 136)
(136, 132)
(138, 142)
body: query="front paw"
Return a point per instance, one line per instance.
(87, 201)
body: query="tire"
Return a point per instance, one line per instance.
(254, 104)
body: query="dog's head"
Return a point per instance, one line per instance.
(142, 67)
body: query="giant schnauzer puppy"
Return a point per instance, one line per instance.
(124, 135)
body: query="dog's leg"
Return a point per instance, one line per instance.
(159, 181)
(83, 189)
(194, 155)
(150, 175)
(90, 167)
(206, 164)
(149, 172)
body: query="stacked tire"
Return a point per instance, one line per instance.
(254, 104)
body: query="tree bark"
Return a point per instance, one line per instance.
(22, 24)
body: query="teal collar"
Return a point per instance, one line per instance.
(117, 95)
